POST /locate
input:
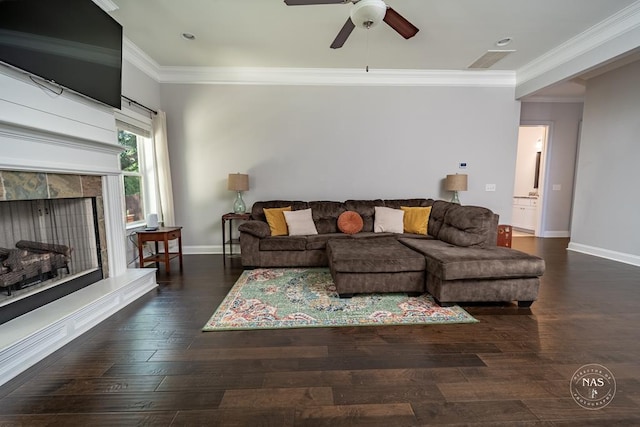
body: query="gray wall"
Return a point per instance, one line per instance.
(334, 143)
(564, 120)
(139, 86)
(605, 219)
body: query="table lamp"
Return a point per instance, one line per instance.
(238, 182)
(455, 183)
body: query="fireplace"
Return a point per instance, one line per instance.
(40, 211)
(64, 147)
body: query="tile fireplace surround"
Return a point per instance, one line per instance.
(16, 185)
(69, 143)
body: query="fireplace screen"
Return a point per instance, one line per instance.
(45, 243)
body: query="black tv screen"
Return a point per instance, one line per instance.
(73, 43)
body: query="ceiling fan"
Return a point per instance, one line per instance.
(364, 14)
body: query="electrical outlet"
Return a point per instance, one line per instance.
(462, 165)
(557, 187)
(490, 187)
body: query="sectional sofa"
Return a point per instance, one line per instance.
(455, 259)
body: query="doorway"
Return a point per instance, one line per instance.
(528, 189)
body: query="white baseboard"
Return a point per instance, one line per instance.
(208, 249)
(27, 339)
(556, 234)
(202, 250)
(605, 253)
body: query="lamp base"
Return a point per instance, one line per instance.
(455, 198)
(238, 204)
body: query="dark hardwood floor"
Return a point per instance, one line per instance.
(150, 364)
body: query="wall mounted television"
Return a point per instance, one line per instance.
(73, 43)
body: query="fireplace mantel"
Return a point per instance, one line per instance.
(33, 149)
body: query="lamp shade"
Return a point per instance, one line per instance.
(238, 182)
(457, 182)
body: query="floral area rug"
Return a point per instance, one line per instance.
(307, 297)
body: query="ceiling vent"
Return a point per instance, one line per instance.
(491, 57)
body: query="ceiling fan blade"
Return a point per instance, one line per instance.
(310, 2)
(343, 35)
(396, 21)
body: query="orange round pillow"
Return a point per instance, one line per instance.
(350, 222)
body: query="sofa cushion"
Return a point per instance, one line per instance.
(371, 235)
(372, 256)
(436, 217)
(396, 203)
(276, 220)
(259, 229)
(449, 262)
(388, 220)
(319, 241)
(414, 236)
(300, 222)
(366, 209)
(350, 222)
(416, 219)
(467, 226)
(325, 215)
(283, 243)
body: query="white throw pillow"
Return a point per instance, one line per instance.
(388, 220)
(300, 223)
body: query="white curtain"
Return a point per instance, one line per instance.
(163, 170)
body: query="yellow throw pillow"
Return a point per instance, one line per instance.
(416, 219)
(276, 221)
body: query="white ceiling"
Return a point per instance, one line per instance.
(268, 33)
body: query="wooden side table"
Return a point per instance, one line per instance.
(229, 217)
(162, 234)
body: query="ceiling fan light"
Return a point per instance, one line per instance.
(368, 13)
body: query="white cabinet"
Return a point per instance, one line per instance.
(524, 213)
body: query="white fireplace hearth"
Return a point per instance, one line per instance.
(65, 134)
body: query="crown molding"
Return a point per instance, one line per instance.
(334, 77)
(312, 76)
(132, 53)
(622, 22)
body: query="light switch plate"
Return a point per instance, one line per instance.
(557, 187)
(490, 187)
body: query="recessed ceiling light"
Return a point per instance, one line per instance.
(503, 42)
(188, 36)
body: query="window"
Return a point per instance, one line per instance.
(131, 165)
(137, 163)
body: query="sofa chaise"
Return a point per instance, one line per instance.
(456, 260)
